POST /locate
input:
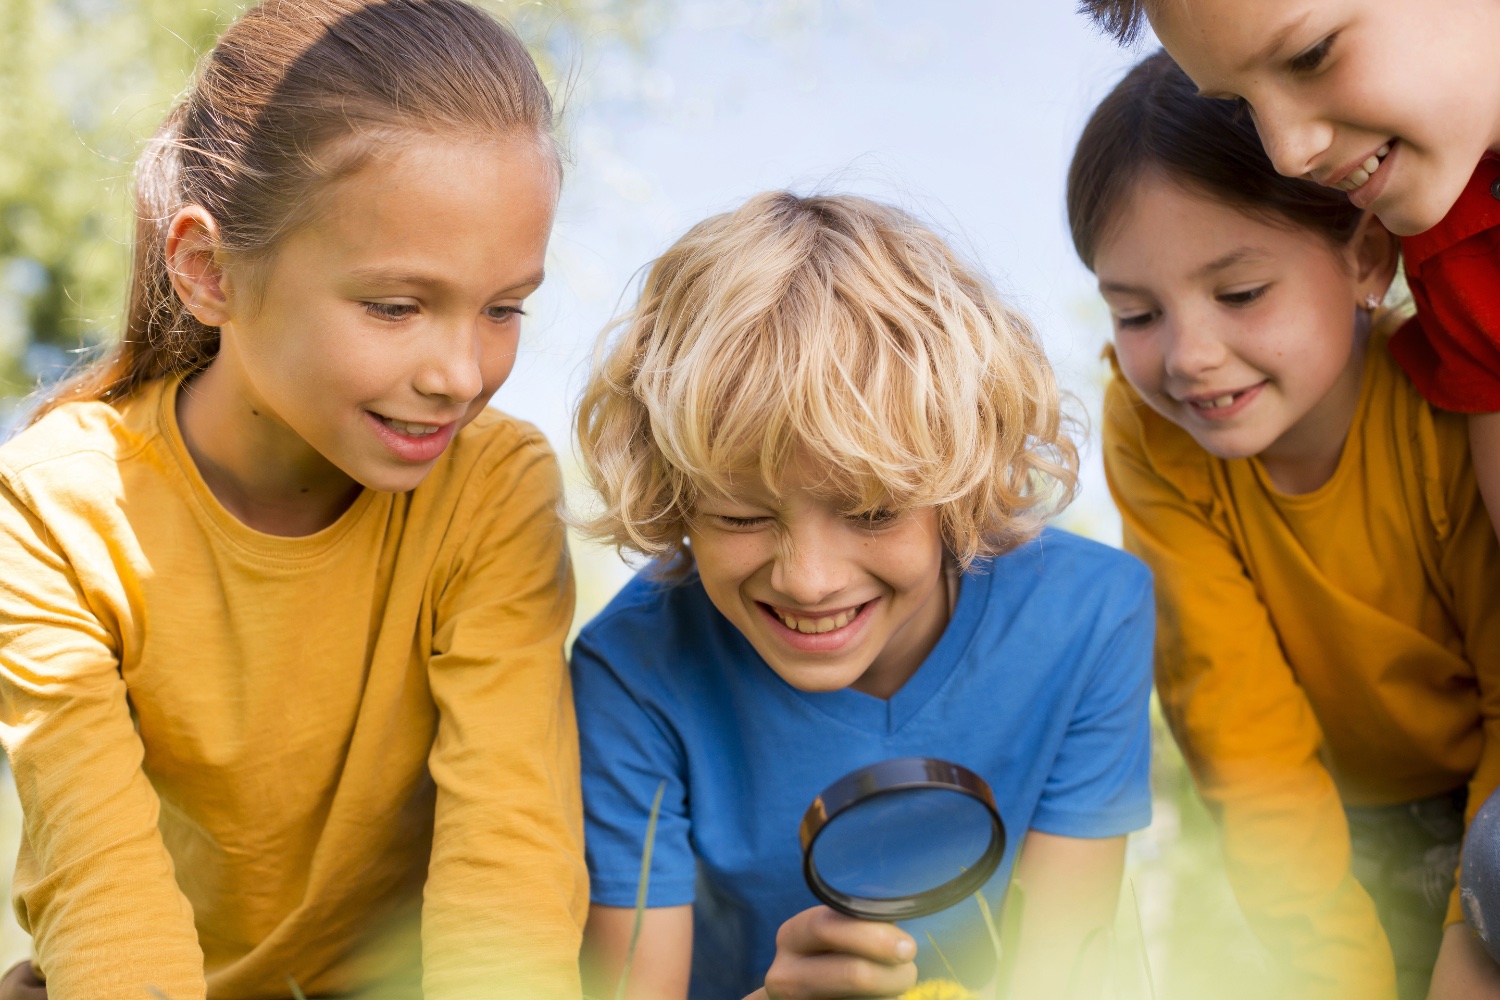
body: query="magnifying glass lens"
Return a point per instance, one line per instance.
(901, 838)
(903, 843)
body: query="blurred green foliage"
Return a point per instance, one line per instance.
(83, 84)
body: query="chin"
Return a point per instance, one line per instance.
(1229, 451)
(392, 480)
(813, 678)
(1411, 215)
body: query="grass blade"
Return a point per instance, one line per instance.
(1140, 934)
(1078, 979)
(296, 990)
(1009, 938)
(946, 964)
(640, 892)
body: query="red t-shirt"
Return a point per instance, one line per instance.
(1451, 349)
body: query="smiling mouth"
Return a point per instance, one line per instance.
(815, 625)
(1219, 402)
(1361, 174)
(409, 428)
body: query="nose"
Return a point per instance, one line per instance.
(809, 568)
(1294, 140)
(1191, 349)
(451, 369)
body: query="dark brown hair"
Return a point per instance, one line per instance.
(1121, 18)
(296, 93)
(1155, 120)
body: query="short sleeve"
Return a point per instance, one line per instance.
(1100, 783)
(1451, 348)
(628, 752)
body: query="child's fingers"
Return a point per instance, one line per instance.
(812, 977)
(820, 929)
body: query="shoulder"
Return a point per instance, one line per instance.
(663, 633)
(669, 609)
(75, 452)
(497, 462)
(495, 442)
(1139, 440)
(1476, 211)
(1077, 572)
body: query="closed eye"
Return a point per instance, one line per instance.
(1243, 298)
(1134, 320)
(390, 310)
(738, 522)
(502, 313)
(1309, 60)
(880, 517)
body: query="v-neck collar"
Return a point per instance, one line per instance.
(884, 716)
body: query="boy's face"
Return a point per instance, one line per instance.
(1409, 87)
(828, 600)
(1239, 331)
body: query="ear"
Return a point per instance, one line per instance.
(196, 266)
(1376, 252)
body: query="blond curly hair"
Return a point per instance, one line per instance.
(842, 327)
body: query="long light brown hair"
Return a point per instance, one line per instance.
(296, 93)
(840, 326)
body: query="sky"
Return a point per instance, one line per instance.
(962, 111)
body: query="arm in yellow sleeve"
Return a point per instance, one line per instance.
(95, 884)
(1470, 570)
(507, 890)
(1247, 731)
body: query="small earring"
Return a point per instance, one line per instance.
(1372, 302)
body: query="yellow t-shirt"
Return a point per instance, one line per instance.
(1335, 646)
(245, 757)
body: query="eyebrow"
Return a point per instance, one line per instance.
(1278, 40)
(1239, 255)
(387, 276)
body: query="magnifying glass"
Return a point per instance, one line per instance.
(901, 839)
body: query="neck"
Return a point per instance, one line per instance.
(1307, 455)
(259, 469)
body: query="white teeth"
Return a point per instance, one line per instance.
(410, 429)
(1216, 402)
(1360, 174)
(814, 626)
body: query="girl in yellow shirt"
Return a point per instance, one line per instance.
(282, 604)
(1327, 652)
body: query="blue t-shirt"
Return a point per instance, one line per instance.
(1040, 684)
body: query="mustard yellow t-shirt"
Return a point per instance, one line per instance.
(1336, 646)
(245, 757)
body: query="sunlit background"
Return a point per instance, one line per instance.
(963, 111)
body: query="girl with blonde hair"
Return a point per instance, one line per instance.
(839, 448)
(282, 603)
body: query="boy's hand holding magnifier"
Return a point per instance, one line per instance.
(896, 840)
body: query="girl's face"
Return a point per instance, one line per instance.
(1338, 86)
(384, 325)
(1240, 331)
(828, 600)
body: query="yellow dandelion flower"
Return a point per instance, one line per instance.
(938, 989)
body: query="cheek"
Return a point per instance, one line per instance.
(724, 563)
(500, 359)
(1140, 362)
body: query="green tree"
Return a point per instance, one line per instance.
(83, 83)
